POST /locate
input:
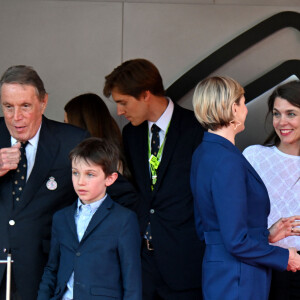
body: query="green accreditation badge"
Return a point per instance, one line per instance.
(154, 164)
(154, 161)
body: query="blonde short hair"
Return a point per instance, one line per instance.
(213, 99)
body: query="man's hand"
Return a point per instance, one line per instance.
(9, 158)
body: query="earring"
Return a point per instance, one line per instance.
(235, 123)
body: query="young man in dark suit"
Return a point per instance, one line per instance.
(95, 245)
(160, 160)
(32, 190)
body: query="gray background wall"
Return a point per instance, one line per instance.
(74, 44)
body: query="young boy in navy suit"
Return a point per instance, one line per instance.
(95, 246)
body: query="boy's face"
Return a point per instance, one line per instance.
(89, 180)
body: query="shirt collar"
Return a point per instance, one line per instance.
(165, 118)
(94, 205)
(33, 141)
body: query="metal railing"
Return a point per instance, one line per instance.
(8, 262)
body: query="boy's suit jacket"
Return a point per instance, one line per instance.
(232, 204)
(169, 207)
(106, 262)
(25, 229)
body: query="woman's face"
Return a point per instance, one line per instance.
(286, 122)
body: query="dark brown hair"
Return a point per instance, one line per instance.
(290, 92)
(134, 77)
(24, 75)
(88, 111)
(97, 151)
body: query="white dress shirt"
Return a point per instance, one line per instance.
(163, 122)
(280, 173)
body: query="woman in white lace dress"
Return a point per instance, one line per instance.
(278, 164)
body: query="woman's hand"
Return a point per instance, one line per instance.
(294, 260)
(283, 228)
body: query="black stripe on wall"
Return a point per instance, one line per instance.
(235, 47)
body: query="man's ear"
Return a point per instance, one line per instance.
(110, 179)
(145, 96)
(44, 103)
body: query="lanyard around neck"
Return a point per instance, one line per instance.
(154, 161)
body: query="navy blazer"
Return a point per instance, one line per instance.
(169, 207)
(231, 207)
(28, 237)
(123, 192)
(106, 262)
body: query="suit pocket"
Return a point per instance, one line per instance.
(105, 292)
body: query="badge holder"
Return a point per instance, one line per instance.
(8, 274)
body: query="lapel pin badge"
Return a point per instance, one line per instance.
(51, 184)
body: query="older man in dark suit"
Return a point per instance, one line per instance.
(32, 190)
(159, 144)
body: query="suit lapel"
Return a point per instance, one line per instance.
(140, 156)
(253, 172)
(102, 212)
(6, 181)
(48, 147)
(70, 219)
